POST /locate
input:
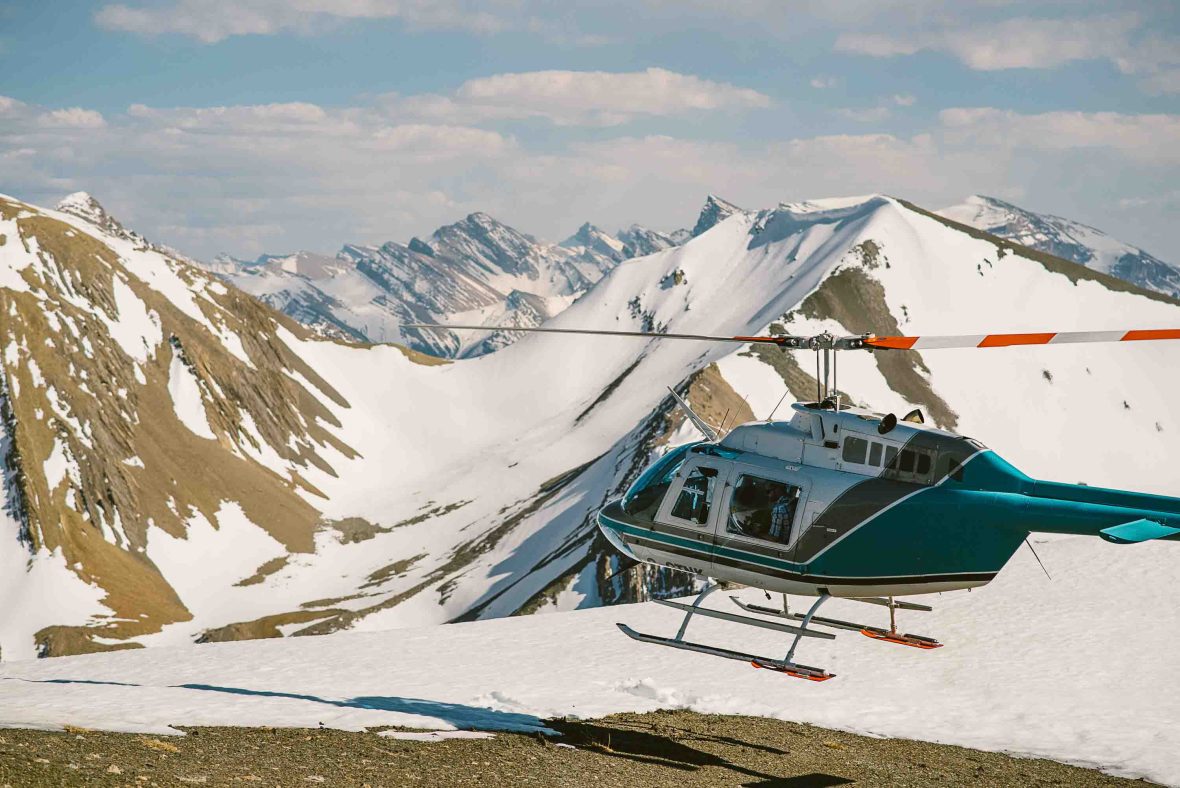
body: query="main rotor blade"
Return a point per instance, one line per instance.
(788, 341)
(1010, 340)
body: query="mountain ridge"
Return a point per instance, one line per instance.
(425, 491)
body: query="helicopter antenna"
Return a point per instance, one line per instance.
(697, 421)
(724, 419)
(780, 402)
(1039, 561)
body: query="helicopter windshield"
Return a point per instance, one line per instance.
(644, 496)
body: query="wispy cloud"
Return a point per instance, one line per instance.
(1123, 39)
(211, 21)
(1011, 43)
(1151, 137)
(568, 98)
(864, 114)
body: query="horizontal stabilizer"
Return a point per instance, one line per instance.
(1137, 531)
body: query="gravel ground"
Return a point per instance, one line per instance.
(672, 748)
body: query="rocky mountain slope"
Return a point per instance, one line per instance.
(183, 463)
(1070, 240)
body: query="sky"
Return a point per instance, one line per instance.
(262, 126)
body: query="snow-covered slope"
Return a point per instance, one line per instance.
(1068, 239)
(1054, 669)
(419, 494)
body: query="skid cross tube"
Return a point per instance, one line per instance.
(708, 589)
(803, 627)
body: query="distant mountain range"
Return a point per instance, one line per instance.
(475, 271)
(483, 272)
(1070, 240)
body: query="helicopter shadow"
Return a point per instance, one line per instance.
(672, 752)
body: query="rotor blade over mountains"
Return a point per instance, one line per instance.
(1010, 340)
(785, 340)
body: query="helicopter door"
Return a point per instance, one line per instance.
(762, 516)
(689, 512)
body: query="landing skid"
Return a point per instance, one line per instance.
(785, 666)
(887, 635)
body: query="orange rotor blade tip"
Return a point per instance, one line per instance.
(894, 343)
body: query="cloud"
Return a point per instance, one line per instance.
(273, 177)
(904, 99)
(823, 83)
(865, 114)
(1154, 137)
(1125, 40)
(1010, 43)
(568, 98)
(210, 21)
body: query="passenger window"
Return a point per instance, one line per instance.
(763, 509)
(855, 449)
(924, 463)
(875, 455)
(954, 468)
(696, 496)
(890, 455)
(907, 461)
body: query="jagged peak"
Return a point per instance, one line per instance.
(85, 206)
(715, 210)
(590, 236)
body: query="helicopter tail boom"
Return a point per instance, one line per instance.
(1117, 516)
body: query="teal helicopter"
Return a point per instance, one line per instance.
(839, 501)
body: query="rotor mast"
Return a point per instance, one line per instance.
(826, 347)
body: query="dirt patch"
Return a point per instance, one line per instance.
(678, 749)
(265, 627)
(856, 301)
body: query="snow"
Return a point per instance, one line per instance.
(13, 257)
(136, 329)
(186, 398)
(37, 588)
(204, 567)
(56, 465)
(1054, 669)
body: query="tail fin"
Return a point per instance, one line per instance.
(1137, 531)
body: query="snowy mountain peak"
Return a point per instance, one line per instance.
(1067, 239)
(593, 239)
(639, 241)
(85, 207)
(714, 211)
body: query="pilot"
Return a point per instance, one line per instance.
(781, 515)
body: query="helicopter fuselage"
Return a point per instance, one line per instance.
(833, 502)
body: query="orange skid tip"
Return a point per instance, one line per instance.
(913, 641)
(800, 672)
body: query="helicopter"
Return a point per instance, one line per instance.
(840, 501)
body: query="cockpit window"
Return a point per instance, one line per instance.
(644, 496)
